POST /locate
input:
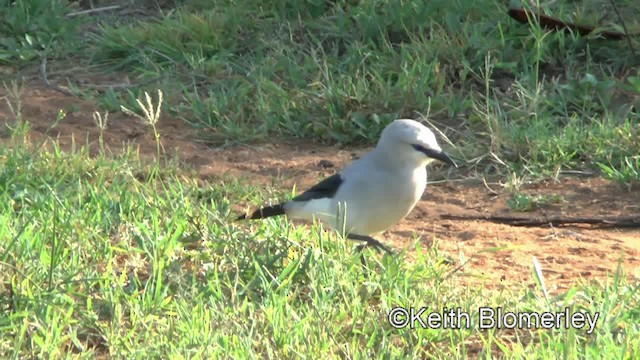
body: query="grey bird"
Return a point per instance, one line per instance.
(374, 192)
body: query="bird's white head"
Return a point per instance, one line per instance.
(408, 141)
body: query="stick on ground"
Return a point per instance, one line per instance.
(43, 75)
(621, 222)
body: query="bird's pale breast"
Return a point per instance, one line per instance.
(378, 211)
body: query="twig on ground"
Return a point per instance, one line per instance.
(630, 221)
(577, 172)
(49, 84)
(43, 74)
(527, 16)
(484, 181)
(624, 27)
(92, 11)
(119, 86)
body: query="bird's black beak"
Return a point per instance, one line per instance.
(434, 154)
(442, 157)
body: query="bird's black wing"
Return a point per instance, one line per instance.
(326, 188)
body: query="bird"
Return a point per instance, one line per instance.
(374, 192)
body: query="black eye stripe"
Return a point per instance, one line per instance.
(424, 150)
(420, 148)
(434, 154)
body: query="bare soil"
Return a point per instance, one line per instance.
(567, 255)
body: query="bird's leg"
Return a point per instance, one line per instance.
(363, 261)
(359, 249)
(370, 242)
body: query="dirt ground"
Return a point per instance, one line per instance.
(567, 255)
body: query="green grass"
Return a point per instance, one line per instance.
(627, 173)
(112, 255)
(33, 28)
(525, 202)
(339, 71)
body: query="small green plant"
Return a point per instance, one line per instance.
(102, 121)
(587, 95)
(520, 201)
(628, 173)
(112, 100)
(634, 84)
(13, 98)
(150, 116)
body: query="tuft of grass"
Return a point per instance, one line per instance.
(150, 116)
(628, 173)
(32, 27)
(525, 202)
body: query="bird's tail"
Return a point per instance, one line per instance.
(265, 212)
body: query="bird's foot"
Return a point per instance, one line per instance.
(369, 241)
